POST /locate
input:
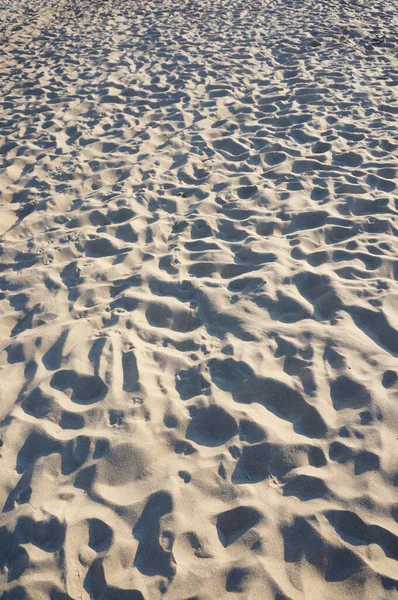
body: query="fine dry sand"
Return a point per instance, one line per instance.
(198, 300)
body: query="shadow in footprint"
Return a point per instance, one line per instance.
(236, 580)
(305, 487)
(389, 378)
(232, 524)
(350, 528)
(190, 383)
(130, 372)
(253, 465)
(13, 557)
(75, 453)
(347, 393)
(95, 585)
(151, 558)
(37, 404)
(35, 446)
(276, 396)
(53, 357)
(86, 389)
(211, 426)
(56, 594)
(335, 563)
(100, 535)
(47, 535)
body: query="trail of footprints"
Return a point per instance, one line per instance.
(204, 207)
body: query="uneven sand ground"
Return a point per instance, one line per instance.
(198, 313)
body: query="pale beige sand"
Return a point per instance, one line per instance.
(198, 314)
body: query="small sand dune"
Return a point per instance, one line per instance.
(198, 300)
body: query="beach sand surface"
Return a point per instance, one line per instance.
(198, 300)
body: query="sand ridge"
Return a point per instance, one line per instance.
(198, 293)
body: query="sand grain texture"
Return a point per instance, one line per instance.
(198, 300)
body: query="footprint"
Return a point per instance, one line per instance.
(262, 461)
(316, 457)
(306, 487)
(185, 476)
(276, 396)
(100, 247)
(335, 563)
(183, 447)
(70, 420)
(231, 149)
(116, 417)
(245, 284)
(38, 404)
(53, 357)
(377, 326)
(37, 444)
(151, 557)
(95, 584)
(14, 558)
(366, 461)
(253, 465)
(389, 378)
(251, 432)
(348, 393)
(320, 291)
(130, 372)
(237, 580)
(211, 426)
(307, 220)
(84, 389)
(100, 535)
(48, 535)
(352, 529)
(234, 523)
(75, 454)
(191, 383)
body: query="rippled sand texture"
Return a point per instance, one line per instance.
(198, 314)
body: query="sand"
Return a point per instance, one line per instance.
(198, 300)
